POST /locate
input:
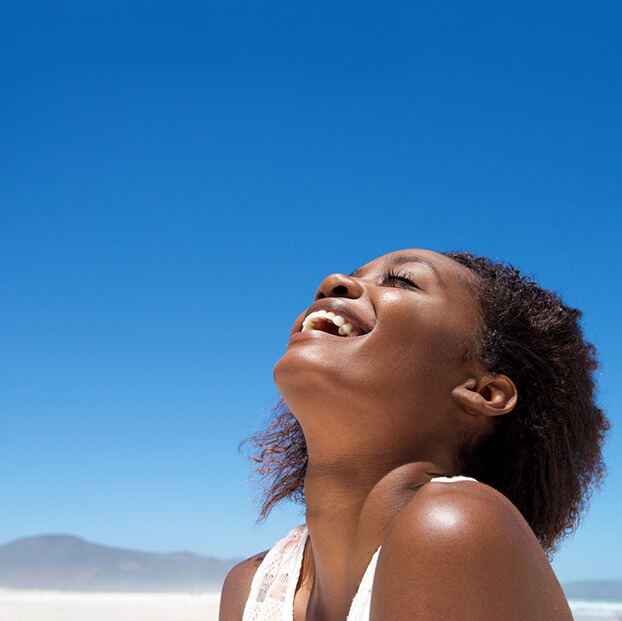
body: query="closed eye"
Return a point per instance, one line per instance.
(399, 279)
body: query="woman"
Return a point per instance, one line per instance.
(440, 425)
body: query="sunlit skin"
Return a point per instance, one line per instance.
(382, 413)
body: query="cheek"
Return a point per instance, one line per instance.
(424, 355)
(426, 332)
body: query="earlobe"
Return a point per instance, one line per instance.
(490, 395)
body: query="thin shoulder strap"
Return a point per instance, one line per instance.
(274, 584)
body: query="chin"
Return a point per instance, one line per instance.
(291, 376)
(306, 381)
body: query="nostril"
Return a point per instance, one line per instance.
(339, 286)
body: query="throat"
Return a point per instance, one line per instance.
(347, 522)
(318, 597)
(348, 514)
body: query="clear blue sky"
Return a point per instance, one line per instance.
(177, 177)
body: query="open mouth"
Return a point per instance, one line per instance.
(329, 322)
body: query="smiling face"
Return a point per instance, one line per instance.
(386, 343)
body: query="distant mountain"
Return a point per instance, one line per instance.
(68, 563)
(605, 590)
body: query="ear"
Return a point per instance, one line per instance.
(490, 395)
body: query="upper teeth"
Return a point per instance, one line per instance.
(345, 329)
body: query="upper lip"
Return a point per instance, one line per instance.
(339, 307)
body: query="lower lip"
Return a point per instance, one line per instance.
(312, 334)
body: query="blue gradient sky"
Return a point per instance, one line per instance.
(177, 177)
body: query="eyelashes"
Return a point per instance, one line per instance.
(399, 279)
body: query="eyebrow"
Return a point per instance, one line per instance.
(401, 259)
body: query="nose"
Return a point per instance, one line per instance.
(339, 286)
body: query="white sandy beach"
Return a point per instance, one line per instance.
(62, 606)
(18, 605)
(596, 611)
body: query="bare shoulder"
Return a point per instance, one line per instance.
(236, 588)
(462, 551)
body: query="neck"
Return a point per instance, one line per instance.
(349, 507)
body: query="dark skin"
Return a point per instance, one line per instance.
(383, 412)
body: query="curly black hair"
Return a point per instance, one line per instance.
(546, 457)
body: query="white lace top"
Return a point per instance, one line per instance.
(271, 597)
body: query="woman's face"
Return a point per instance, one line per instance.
(387, 341)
